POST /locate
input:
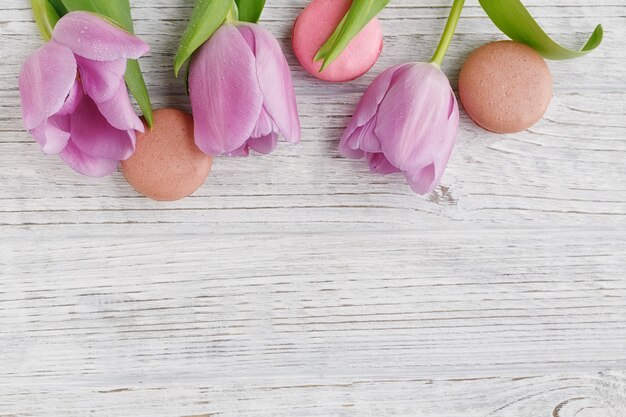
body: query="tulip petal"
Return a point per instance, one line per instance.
(73, 99)
(45, 81)
(86, 164)
(91, 37)
(347, 152)
(93, 135)
(373, 96)
(53, 134)
(274, 80)
(244, 150)
(119, 111)
(101, 79)
(224, 92)
(264, 144)
(443, 150)
(424, 180)
(362, 138)
(414, 116)
(379, 164)
(264, 125)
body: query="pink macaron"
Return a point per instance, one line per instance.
(316, 24)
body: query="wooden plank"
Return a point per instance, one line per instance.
(592, 395)
(311, 304)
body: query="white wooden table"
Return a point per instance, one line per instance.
(300, 285)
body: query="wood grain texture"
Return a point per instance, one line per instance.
(300, 285)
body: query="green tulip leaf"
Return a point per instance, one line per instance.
(46, 17)
(119, 13)
(359, 15)
(207, 17)
(58, 6)
(512, 18)
(116, 10)
(137, 86)
(250, 10)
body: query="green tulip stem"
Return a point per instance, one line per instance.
(233, 13)
(448, 32)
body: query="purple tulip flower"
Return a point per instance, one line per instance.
(241, 92)
(74, 98)
(407, 121)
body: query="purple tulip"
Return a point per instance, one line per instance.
(407, 122)
(241, 92)
(74, 98)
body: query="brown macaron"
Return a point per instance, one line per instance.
(505, 86)
(167, 164)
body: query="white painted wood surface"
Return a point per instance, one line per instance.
(300, 285)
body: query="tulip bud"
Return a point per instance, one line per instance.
(241, 92)
(408, 119)
(407, 122)
(74, 97)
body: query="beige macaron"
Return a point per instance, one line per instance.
(505, 87)
(167, 164)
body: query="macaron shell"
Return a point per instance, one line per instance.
(505, 86)
(316, 24)
(167, 164)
